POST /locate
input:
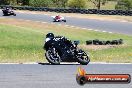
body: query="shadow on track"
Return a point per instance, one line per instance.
(60, 64)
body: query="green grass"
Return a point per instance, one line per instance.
(24, 44)
(123, 55)
(20, 44)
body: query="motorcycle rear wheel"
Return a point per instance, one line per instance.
(64, 20)
(52, 56)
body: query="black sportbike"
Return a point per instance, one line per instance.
(60, 49)
(8, 11)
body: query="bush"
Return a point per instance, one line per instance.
(40, 3)
(59, 3)
(77, 3)
(124, 5)
(8, 2)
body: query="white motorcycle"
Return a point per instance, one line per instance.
(58, 19)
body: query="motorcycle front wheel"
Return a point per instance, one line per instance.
(14, 14)
(52, 56)
(83, 58)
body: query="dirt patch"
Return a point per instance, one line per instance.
(98, 47)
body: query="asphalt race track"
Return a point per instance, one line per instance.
(109, 26)
(56, 76)
(63, 76)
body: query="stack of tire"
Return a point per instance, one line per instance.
(108, 42)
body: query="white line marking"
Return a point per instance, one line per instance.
(67, 25)
(38, 21)
(21, 63)
(72, 26)
(44, 22)
(2, 17)
(20, 19)
(46, 14)
(64, 25)
(96, 30)
(52, 23)
(90, 29)
(110, 32)
(68, 16)
(27, 20)
(103, 31)
(107, 63)
(124, 21)
(69, 63)
(84, 28)
(34, 13)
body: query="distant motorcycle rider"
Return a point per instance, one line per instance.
(58, 17)
(7, 11)
(8, 8)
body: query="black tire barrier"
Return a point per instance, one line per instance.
(70, 10)
(108, 42)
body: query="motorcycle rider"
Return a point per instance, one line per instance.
(8, 11)
(58, 17)
(8, 8)
(61, 39)
(49, 36)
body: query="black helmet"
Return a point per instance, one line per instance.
(50, 35)
(7, 8)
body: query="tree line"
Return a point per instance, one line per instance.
(121, 4)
